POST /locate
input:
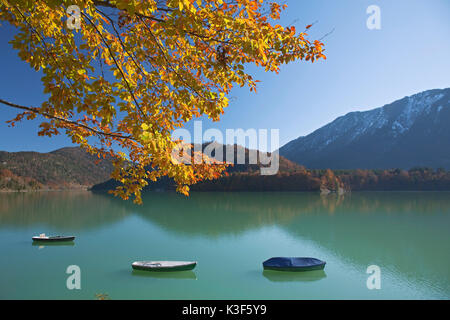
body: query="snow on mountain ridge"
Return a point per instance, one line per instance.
(406, 133)
(355, 124)
(415, 106)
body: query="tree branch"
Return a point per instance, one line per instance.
(74, 123)
(109, 5)
(130, 90)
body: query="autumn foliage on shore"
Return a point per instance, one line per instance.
(136, 70)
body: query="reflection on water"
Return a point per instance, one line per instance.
(406, 233)
(66, 210)
(53, 244)
(211, 214)
(165, 275)
(216, 214)
(283, 276)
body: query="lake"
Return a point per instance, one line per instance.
(406, 234)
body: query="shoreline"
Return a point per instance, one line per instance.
(88, 189)
(43, 190)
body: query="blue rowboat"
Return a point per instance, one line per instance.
(293, 264)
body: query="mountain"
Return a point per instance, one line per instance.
(166, 183)
(247, 177)
(66, 168)
(411, 132)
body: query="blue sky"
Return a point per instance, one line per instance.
(365, 69)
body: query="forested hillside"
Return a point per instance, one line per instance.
(66, 168)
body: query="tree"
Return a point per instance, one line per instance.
(136, 70)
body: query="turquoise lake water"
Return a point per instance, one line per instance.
(406, 234)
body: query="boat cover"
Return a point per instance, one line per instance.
(284, 262)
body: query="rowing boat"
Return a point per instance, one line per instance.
(164, 265)
(293, 264)
(53, 238)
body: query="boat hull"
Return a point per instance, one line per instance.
(155, 266)
(296, 269)
(293, 264)
(53, 239)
